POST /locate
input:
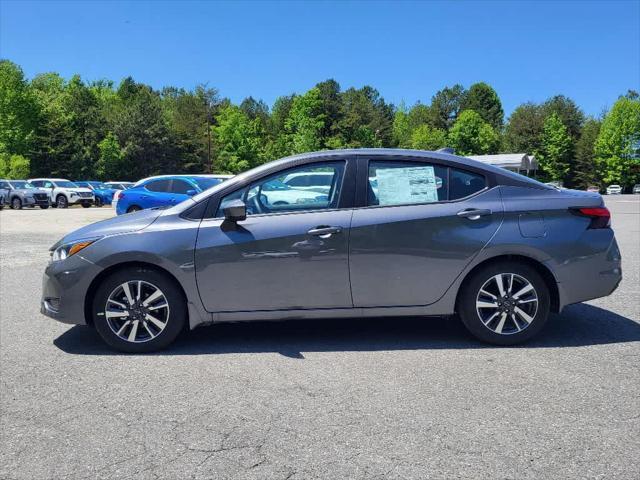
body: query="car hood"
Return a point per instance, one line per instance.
(79, 190)
(131, 222)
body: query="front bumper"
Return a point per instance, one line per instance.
(81, 200)
(64, 288)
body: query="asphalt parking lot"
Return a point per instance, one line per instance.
(381, 398)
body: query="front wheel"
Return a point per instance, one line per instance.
(505, 303)
(16, 203)
(62, 202)
(139, 310)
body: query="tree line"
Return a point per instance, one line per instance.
(51, 126)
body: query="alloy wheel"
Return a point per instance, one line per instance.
(137, 311)
(507, 303)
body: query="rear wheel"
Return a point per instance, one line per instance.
(61, 201)
(133, 208)
(16, 203)
(99, 202)
(505, 303)
(139, 310)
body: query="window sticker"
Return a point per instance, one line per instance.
(406, 185)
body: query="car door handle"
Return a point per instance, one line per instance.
(324, 231)
(474, 213)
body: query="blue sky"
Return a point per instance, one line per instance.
(589, 51)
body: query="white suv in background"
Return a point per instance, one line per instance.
(63, 193)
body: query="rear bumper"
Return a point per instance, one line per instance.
(589, 277)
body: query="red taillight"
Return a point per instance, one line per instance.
(600, 216)
(118, 195)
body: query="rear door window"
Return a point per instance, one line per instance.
(406, 183)
(180, 186)
(159, 186)
(464, 183)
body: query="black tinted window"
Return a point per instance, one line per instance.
(180, 186)
(463, 183)
(158, 186)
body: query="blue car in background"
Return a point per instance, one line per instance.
(164, 191)
(103, 193)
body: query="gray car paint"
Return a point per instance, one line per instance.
(273, 267)
(24, 194)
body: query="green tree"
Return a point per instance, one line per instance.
(14, 166)
(446, 105)
(484, 100)
(18, 111)
(523, 131)
(110, 165)
(306, 122)
(401, 127)
(567, 110)
(426, 137)
(471, 135)
(555, 154)
(189, 117)
(238, 140)
(586, 171)
(617, 148)
(367, 120)
(148, 145)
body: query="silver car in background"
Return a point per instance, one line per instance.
(20, 193)
(398, 232)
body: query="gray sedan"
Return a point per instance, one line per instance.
(398, 232)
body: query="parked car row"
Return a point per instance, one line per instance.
(57, 192)
(610, 190)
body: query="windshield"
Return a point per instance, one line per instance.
(18, 185)
(99, 185)
(207, 182)
(65, 184)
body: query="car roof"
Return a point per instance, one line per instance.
(195, 175)
(51, 179)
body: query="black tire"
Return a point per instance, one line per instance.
(175, 322)
(99, 202)
(44, 207)
(516, 330)
(16, 203)
(133, 208)
(61, 201)
(86, 205)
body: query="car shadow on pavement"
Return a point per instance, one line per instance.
(579, 325)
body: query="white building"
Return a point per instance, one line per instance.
(517, 162)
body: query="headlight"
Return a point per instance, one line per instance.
(71, 248)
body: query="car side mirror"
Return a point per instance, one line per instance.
(191, 193)
(235, 211)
